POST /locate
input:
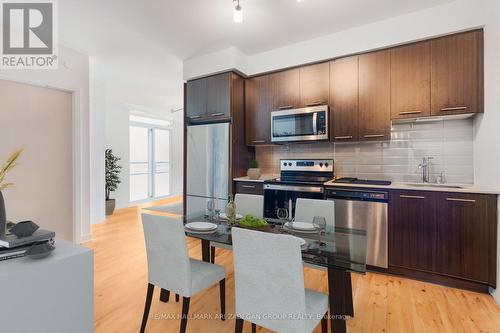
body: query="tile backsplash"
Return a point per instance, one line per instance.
(448, 142)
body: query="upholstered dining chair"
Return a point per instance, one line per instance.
(170, 268)
(249, 204)
(307, 209)
(245, 204)
(269, 289)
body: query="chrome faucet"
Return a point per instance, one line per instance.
(425, 166)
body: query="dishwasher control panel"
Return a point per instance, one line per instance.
(340, 193)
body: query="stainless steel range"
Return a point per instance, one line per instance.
(298, 179)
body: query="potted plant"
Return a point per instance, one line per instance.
(6, 167)
(113, 170)
(254, 171)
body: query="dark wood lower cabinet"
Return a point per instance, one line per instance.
(444, 237)
(412, 229)
(464, 247)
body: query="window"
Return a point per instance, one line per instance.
(149, 158)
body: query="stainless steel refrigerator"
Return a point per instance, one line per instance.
(208, 168)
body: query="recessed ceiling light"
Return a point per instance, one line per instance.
(238, 12)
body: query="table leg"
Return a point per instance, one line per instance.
(205, 250)
(340, 296)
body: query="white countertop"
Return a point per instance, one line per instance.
(413, 187)
(262, 178)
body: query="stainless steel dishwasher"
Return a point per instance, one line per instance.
(365, 210)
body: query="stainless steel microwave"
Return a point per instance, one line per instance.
(307, 124)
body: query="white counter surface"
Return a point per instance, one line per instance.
(473, 189)
(53, 294)
(262, 178)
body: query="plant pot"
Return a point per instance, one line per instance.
(110, 206)
(253, 173)
(3, 216)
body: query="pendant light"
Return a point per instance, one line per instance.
(238, 12)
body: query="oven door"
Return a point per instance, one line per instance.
(300, 124)
(283, 195)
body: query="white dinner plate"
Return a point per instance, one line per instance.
(190, 231)
(301, 226)
(201, 226)
(224, 216)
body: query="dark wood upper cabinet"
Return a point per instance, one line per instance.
(411, 81)
(285, 89)
(457, 74)
(258, 110)
(219, 96)
(314, 84)
(412, 229)
(375, 96)
(196, 92)
(466, 236)
(344, 99)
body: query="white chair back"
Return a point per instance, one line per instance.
(249, 204)
(307, 209)
(269, 280)
(168, 259)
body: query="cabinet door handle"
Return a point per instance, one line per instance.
(345, 137)
(194, 117)
(248, 186)
(219, 114)
(411, 196)
(259, 141)
(460, 200)
(374, 136)
(316, 103)
(285, 107)
(457, 108)
(410, 112)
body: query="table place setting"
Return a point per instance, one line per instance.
(201, 228)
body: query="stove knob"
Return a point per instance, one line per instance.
(284, 164)
(326, 165)
(321, 165)
(290, 164)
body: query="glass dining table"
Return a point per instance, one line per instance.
(340, 252)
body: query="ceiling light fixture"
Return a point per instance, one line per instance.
(238, 12)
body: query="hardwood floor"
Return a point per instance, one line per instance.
(382, 303)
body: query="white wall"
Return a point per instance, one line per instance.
(39, 120)
(451, 17)
(145, 78)
(72, 75)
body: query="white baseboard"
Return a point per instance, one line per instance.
(85, 238)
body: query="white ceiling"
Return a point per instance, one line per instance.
(188, 28)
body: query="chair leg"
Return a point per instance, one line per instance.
(254, 328)
(164, 295)
(212, 255)
(185, 312)
(177, 297)
(147, 306)
(239, 325)
(222, 289)
(324, 323)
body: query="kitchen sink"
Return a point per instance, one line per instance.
(434, 185)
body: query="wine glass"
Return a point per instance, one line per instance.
(319, 223)
(217, 210)
(210, 208)
(282, 214)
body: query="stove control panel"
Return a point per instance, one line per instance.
(306, 165)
